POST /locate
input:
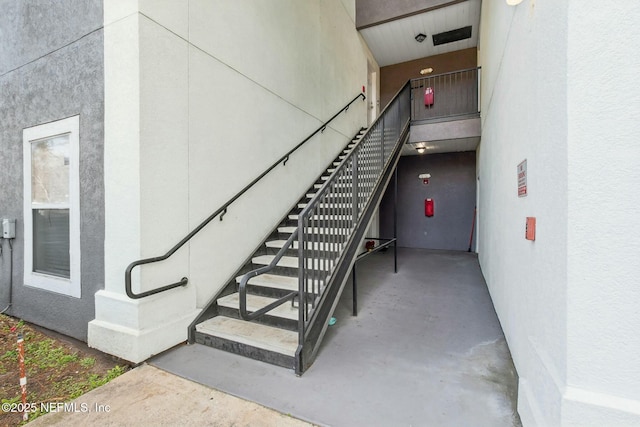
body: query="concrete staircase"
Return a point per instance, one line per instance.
(273, 337)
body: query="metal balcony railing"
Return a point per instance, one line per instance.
(453, 94)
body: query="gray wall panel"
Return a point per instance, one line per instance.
(65, 82)
(30, 29)
(452, 187)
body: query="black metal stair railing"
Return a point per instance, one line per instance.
(331, 225)
(219, 212)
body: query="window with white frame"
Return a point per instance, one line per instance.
(52, 206)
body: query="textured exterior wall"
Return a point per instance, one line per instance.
(210, 94)
(524, 102)
(568, 301)
(51, 67)
(452, 187)
(603, 343)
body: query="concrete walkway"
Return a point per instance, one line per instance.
(425, 350)
(148, 396)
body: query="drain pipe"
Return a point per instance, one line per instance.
(10, 274)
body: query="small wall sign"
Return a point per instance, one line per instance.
(522, 179)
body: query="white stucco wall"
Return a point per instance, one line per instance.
(603, 343)
(567, 302)
(524, 117)
(223, 90)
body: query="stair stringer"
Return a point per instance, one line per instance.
(317, 326)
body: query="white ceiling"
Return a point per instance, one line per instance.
(394, 42)
(443, 146)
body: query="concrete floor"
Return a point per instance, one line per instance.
(425, 350)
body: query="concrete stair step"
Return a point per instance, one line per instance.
(289, 262)
(284, 284)
(295, 217)
(316, 230)
(287, 283)
(250, 336)
(342, 194)
(285, 261)
(255, 302)
(328, 205)
(337, 185)
(321, 246)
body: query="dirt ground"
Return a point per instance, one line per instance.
(58, 369)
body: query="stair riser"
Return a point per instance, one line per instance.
(285, 271)
(294, 252)
(265, 291)
(337, 197)
(336, 223)
(274, 321)
(246, 350)
(280, 271)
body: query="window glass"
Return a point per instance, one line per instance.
(51, 242)
(50, 170)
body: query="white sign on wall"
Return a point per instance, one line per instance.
(522, 179)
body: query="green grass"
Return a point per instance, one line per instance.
(62, 373)
(41, 355)
(87, 362)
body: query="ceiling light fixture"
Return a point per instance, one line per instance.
(514, 2)
(421, 149)
(425, 71)
(420, 38)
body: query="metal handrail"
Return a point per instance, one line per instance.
(445, 74)
(221, 211)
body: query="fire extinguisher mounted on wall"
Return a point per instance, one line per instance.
(428, 207)
(428, 97)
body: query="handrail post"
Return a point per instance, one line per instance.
(354, 180)
(302, 290)
(395, 220)
(382, 142)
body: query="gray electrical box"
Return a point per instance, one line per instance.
(8, 228)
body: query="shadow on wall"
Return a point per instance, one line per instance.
(452, 187)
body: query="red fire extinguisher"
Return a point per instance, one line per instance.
(428, 207)
(428, 97)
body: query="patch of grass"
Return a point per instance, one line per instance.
(97, 381)
(10, 356)
(87, 362)
(57, 370)
(16, 399)
(44, 354)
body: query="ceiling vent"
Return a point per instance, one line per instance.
(452, 36)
